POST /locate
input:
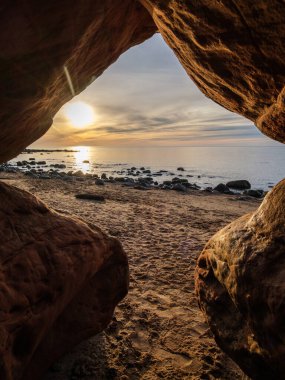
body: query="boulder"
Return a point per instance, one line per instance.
(222, 188)
(60, 282)
(78, 173)
(241, 184)
(241, 288)
(179, 187)
(254, 193)
(99, 182)
(63, 166)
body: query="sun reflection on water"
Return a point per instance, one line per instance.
(82, 154)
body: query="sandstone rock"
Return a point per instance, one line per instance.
(40, 41)
(230, 49)
(60, 281)
(241, 288)
(240, 184)
(233, 51)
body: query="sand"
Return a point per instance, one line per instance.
(158, 331)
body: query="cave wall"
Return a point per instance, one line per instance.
(234, 51)
(38, 39)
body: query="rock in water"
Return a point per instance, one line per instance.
(222, 188)
(254, 193)
(241, 184)
(241, 288)
(60, 283)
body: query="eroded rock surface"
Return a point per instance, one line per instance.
(241, 288)
(234, 52)
(60, 281)
(39, 39)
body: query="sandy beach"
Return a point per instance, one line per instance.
(158, 331)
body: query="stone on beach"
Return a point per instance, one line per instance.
(254, 193)
(91, 197)
(222, 188)
(99, 182)
(60, 283)
(241, 184)
(241, 288)
(179, 187)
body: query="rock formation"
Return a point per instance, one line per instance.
(233, 50)
(60, 281)
(241, 288)
(43, 44)
(50, 51)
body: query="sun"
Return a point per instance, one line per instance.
(80, 114)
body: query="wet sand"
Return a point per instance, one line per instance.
(158, 331)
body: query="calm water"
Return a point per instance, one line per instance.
(262, 166)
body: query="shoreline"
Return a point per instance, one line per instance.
(139, 178)
(204, 167)
(158, 330)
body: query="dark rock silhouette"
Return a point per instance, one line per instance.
(240, 286)
(234, 51)
(60, 282)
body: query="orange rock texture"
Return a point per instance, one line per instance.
(240, 286)
(53, 267)
(234, 52)
(39, 39)
(60, 281)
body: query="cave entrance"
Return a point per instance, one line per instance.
(145, 119)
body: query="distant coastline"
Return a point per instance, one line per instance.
(49, 150)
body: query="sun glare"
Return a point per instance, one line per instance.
(80, 114)
(82, 158)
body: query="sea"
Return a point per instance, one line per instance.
(206, 166)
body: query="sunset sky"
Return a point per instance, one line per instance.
(146, 98)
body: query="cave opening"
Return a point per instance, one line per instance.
(161, 201)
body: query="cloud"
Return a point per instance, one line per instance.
(147, 98)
